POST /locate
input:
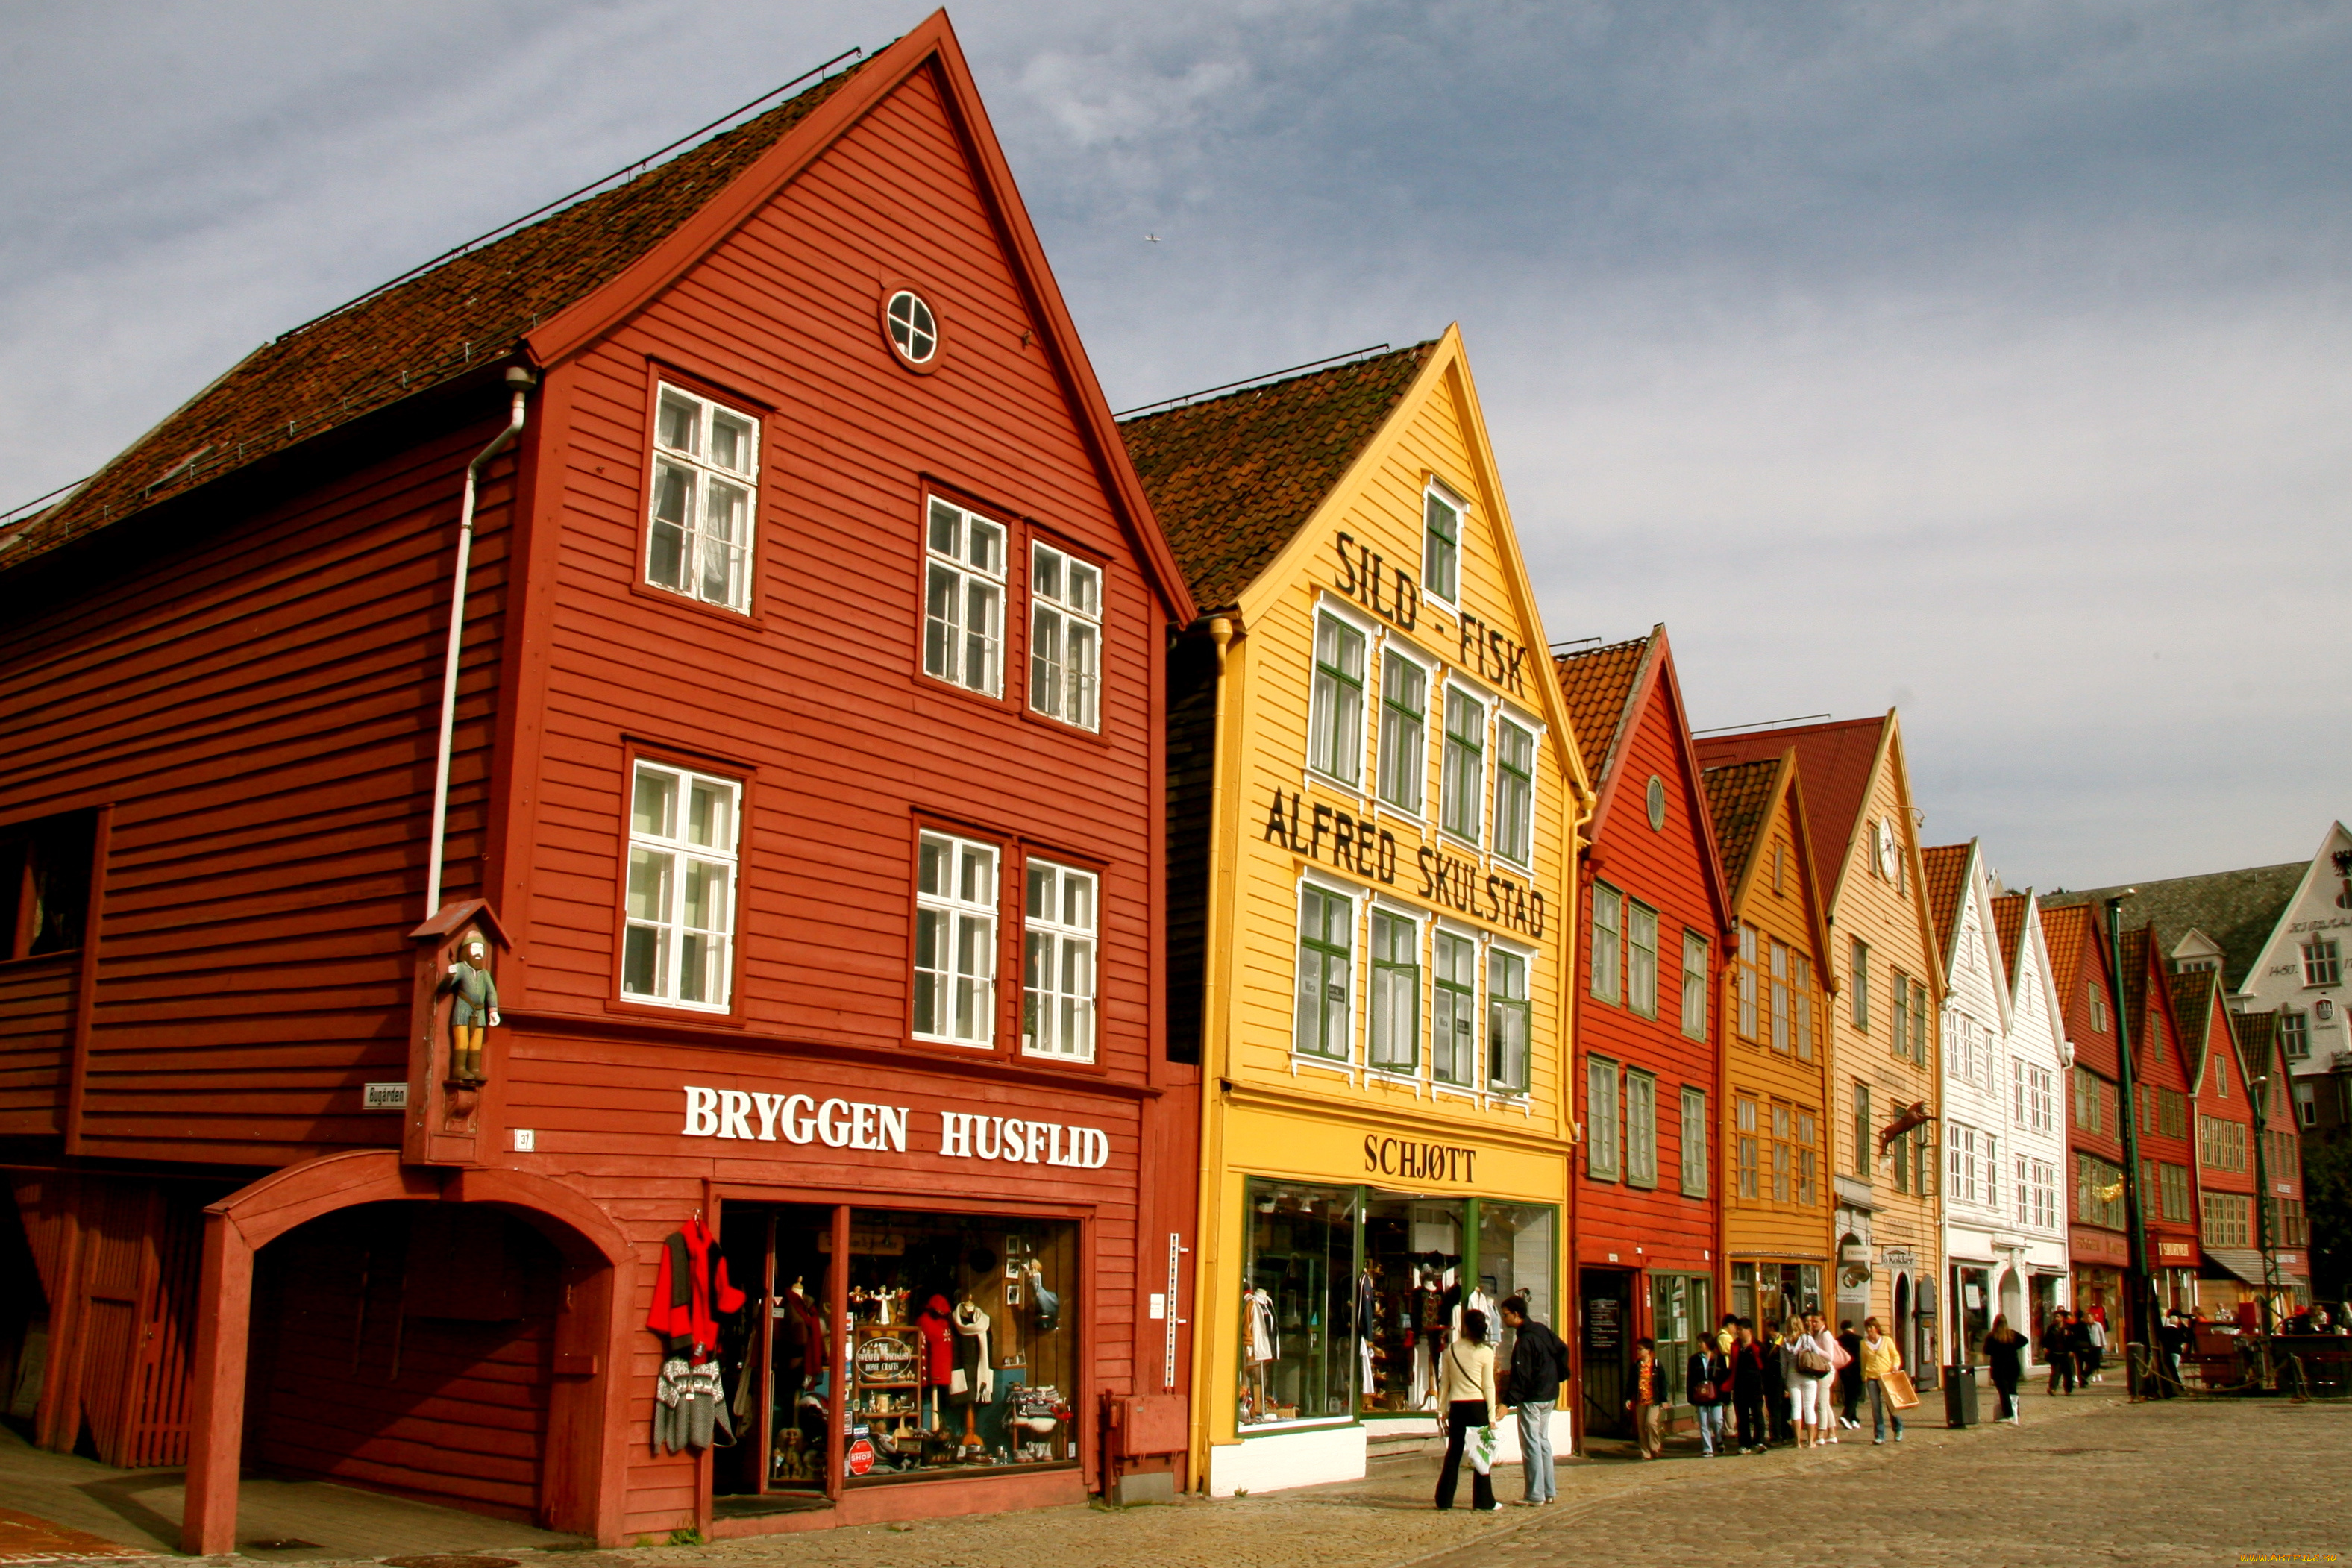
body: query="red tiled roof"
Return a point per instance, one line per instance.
(1835, 761)
(1232, 478)
(469, 310)
(2009, 926)
(1944, 868)
(2075, 952)
(1739, 796)
(1597, 685)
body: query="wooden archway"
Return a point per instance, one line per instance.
(587, 1450)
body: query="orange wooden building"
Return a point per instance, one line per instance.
(805, 745)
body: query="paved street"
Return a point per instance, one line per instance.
(2077, 1483)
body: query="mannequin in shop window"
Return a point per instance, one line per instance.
(972, 1383)
(938, 1361)
(1262, 1345)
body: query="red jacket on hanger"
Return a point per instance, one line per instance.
(693, 1276)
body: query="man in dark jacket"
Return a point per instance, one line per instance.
(1539, 1366)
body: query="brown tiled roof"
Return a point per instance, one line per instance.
(2074, 950)
(2009, 925)
(1598, 684)
(1234, 479)
(1835, 760)
(2238, 910)
(1943, 867)
(1739, 797)
(2192, 1003)
(471, 309)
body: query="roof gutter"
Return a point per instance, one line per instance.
(521, 380)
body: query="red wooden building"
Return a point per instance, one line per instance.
(2220, 1100)
(2098, 1238)
(803, 799)
(2168, 1125)
(1649, 1229)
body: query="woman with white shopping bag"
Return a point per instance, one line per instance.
(1469, 1402)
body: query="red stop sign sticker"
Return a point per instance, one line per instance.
(861, 1456)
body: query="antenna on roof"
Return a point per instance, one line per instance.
(1183, 397)
(625, 171)
(15, 514)
(1761, 724)
(1572, 642)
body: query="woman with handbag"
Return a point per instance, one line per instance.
(1879, 1358)
(1709, 1382)
(1470, 1401)
(1817, 1359)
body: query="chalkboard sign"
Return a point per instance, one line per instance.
(1604, 1329)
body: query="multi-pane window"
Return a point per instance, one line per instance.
(2218, 1080)
(1958, 1033)
(1808, 1168)
(1858, 982)
(2173, 1108)
(1064, 637)
(1454, 1010)
(1335, 721)
(678, 944)
(1464, 785)
(1515, 793)
(1404, 731)
(1972, 1165)
(1747, 982)
(2306, 1104)
(955, 940)
(1642, 959)
(1601, 1132)
(2228, 1220)
(2086, 1100)
(706, 475)
(1902, 1018)
(1508, 1031)
(1861, 1127)
(2294, 1035)
(1783, 1161)
(1608, 933)
(963, 599)
(2033, 1096)
(1057, 1000)
(1693, 985)
(2098, 1192)
(1800, 989)
(2037, 1193)
(2222, 1145)
(2098, 1005)
(1780, 1019)
(1641, 1130)
(1327, 928)
(2171, 1183)
(1441, 546)
(2323, 962)
(1693, 1135)
(1744, 1126)
(1394, 1033)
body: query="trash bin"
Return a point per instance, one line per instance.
(1959, 1396)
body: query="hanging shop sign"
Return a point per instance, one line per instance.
(762, 1118)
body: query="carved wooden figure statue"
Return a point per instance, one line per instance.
(476, 1004)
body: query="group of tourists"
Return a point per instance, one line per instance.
(2074, 1347)
(1796, 1383)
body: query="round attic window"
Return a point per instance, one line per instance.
(1658, 803)
(914, 330)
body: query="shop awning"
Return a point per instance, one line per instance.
(2244, 1264)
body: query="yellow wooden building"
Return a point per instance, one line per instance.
(1884, 1066)
(1373, 807)
(1775, 1087)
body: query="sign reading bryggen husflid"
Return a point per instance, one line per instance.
(1381, 791)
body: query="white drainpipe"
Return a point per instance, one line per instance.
(521, 380)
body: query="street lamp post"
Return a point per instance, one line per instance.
(2139, 1320)
(2264, 1238)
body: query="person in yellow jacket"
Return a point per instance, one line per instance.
(1879, 1357)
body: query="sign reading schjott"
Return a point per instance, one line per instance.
(862, 1124)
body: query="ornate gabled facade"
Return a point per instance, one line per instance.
(2036, 1086)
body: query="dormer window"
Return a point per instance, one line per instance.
(1441, 546)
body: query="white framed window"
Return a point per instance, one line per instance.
(1514, 792)
(914, 329)
(1508, 1031)
(1058, 985)
(1454, 1009)
(1858, 986)
(1694, 951)
(678, 944)
(1641, 1130)
(1601, 1128)
(963, 599)
(1747, 1023)
(1608, 933)
(1441, 546)
(2294, 1035)
(1642, 959)
(955, 940)
(1064, 637)
(1800, 987)
(1693, 1135)
(1327, 961)
(1404, 731)
(1464, 784)
(1392, 1036)
(706, 484)
(1334, 722)
(1782, 1021)
(2323, 962)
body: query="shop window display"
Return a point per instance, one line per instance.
(1410, 1296)
(1516, 1254)
(1297, 1311)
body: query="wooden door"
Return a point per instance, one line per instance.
(1605, 1318)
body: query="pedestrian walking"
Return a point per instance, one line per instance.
(1708, 1378)
(1776, 1383)
(2005, 1350)
(2058, 1350)
(1805, 1368)
(1849, 1376)
(1539, 1366)
(1469, 1400)
(1748, 1387)
(2095, 1348)
(1649, 1402)
(1880, 1357)
(1825, 1421)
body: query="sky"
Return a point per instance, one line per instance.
(1992, 361)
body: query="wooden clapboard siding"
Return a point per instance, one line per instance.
(36, 1022)
(260, 706)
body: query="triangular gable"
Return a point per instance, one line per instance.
(2078, 953)
(1945, 875)
(1747, 799)
(2147, 994)
(1839, 760)
(2032, 954)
